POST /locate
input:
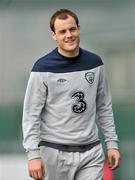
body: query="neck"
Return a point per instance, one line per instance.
(69, 53)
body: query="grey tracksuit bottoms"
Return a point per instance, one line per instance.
(61, 165)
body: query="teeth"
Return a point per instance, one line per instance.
(70, 41)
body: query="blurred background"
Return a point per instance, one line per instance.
(107, 28)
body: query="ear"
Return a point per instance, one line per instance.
(53, 36)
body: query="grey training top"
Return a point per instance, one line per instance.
(64, 97)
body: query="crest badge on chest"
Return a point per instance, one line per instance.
(90, 76)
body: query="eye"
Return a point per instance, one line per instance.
(72, 29)
(62, 32)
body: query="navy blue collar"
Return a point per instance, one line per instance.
(68, 58)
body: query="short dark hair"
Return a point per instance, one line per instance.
(62, 14)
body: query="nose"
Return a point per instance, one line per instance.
(68, 33)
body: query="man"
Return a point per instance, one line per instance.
(67, 89)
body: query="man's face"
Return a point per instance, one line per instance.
(67, 35)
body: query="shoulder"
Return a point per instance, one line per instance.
(90, 60)
(90, 55)
(43, 63)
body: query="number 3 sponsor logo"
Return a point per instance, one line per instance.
(80, 104)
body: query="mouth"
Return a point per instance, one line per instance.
(70, 41)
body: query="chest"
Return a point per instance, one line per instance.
(59, 83)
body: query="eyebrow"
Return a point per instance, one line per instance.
(72, 28)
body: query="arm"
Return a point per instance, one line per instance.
(106, 120)
(34, 102)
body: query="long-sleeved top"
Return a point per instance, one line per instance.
(64, 99)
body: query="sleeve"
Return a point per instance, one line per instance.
(34, 102)
(104, 111)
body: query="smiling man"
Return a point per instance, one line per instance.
(66, 91)
(67, 34)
